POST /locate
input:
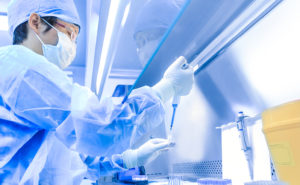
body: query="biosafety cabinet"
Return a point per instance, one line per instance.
(245, 58)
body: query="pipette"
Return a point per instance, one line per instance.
(176, 100)
(175, 103)
(245, 146)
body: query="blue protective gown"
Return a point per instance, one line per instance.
(53, 131)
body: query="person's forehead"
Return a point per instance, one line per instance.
(73, 26)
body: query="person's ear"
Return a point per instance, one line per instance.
(35, 23)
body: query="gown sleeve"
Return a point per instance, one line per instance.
(47, 99)
(103, 166)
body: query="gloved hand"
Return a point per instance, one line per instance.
(177, 81)
(145, 153)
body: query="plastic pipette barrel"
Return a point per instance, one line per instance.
(175, 103)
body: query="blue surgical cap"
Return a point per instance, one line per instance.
(158, 14)
(19, 11)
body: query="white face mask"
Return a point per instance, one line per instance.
(63, 53)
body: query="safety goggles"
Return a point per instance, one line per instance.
(70, 31)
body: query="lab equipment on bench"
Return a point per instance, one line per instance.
(209, 181)
(245, 146)
(281, 126)
(175, 180)
(235, 163)
(265, 183)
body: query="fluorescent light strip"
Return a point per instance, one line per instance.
(113, 11)
(3, 23)
(126, 12)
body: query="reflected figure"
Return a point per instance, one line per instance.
(153, 21)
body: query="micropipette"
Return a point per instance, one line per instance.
(176, 100)
(245, 146)
(175, 103)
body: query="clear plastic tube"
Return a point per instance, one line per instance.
(266, 183)
(208, 181)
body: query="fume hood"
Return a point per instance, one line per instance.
(242, 61)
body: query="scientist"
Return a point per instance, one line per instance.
(152, 22)
(53, 131)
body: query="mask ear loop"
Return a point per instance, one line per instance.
(49, 24)
(57, 31)
(39, 38)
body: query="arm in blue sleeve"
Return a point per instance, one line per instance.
(47, 98)
(37, 96)
(104, 129)
(103, 166)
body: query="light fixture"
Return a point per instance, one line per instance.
(113, 12)
(3, 23)
(126, 12)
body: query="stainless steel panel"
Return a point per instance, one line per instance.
(198, 23)
(229, 83)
